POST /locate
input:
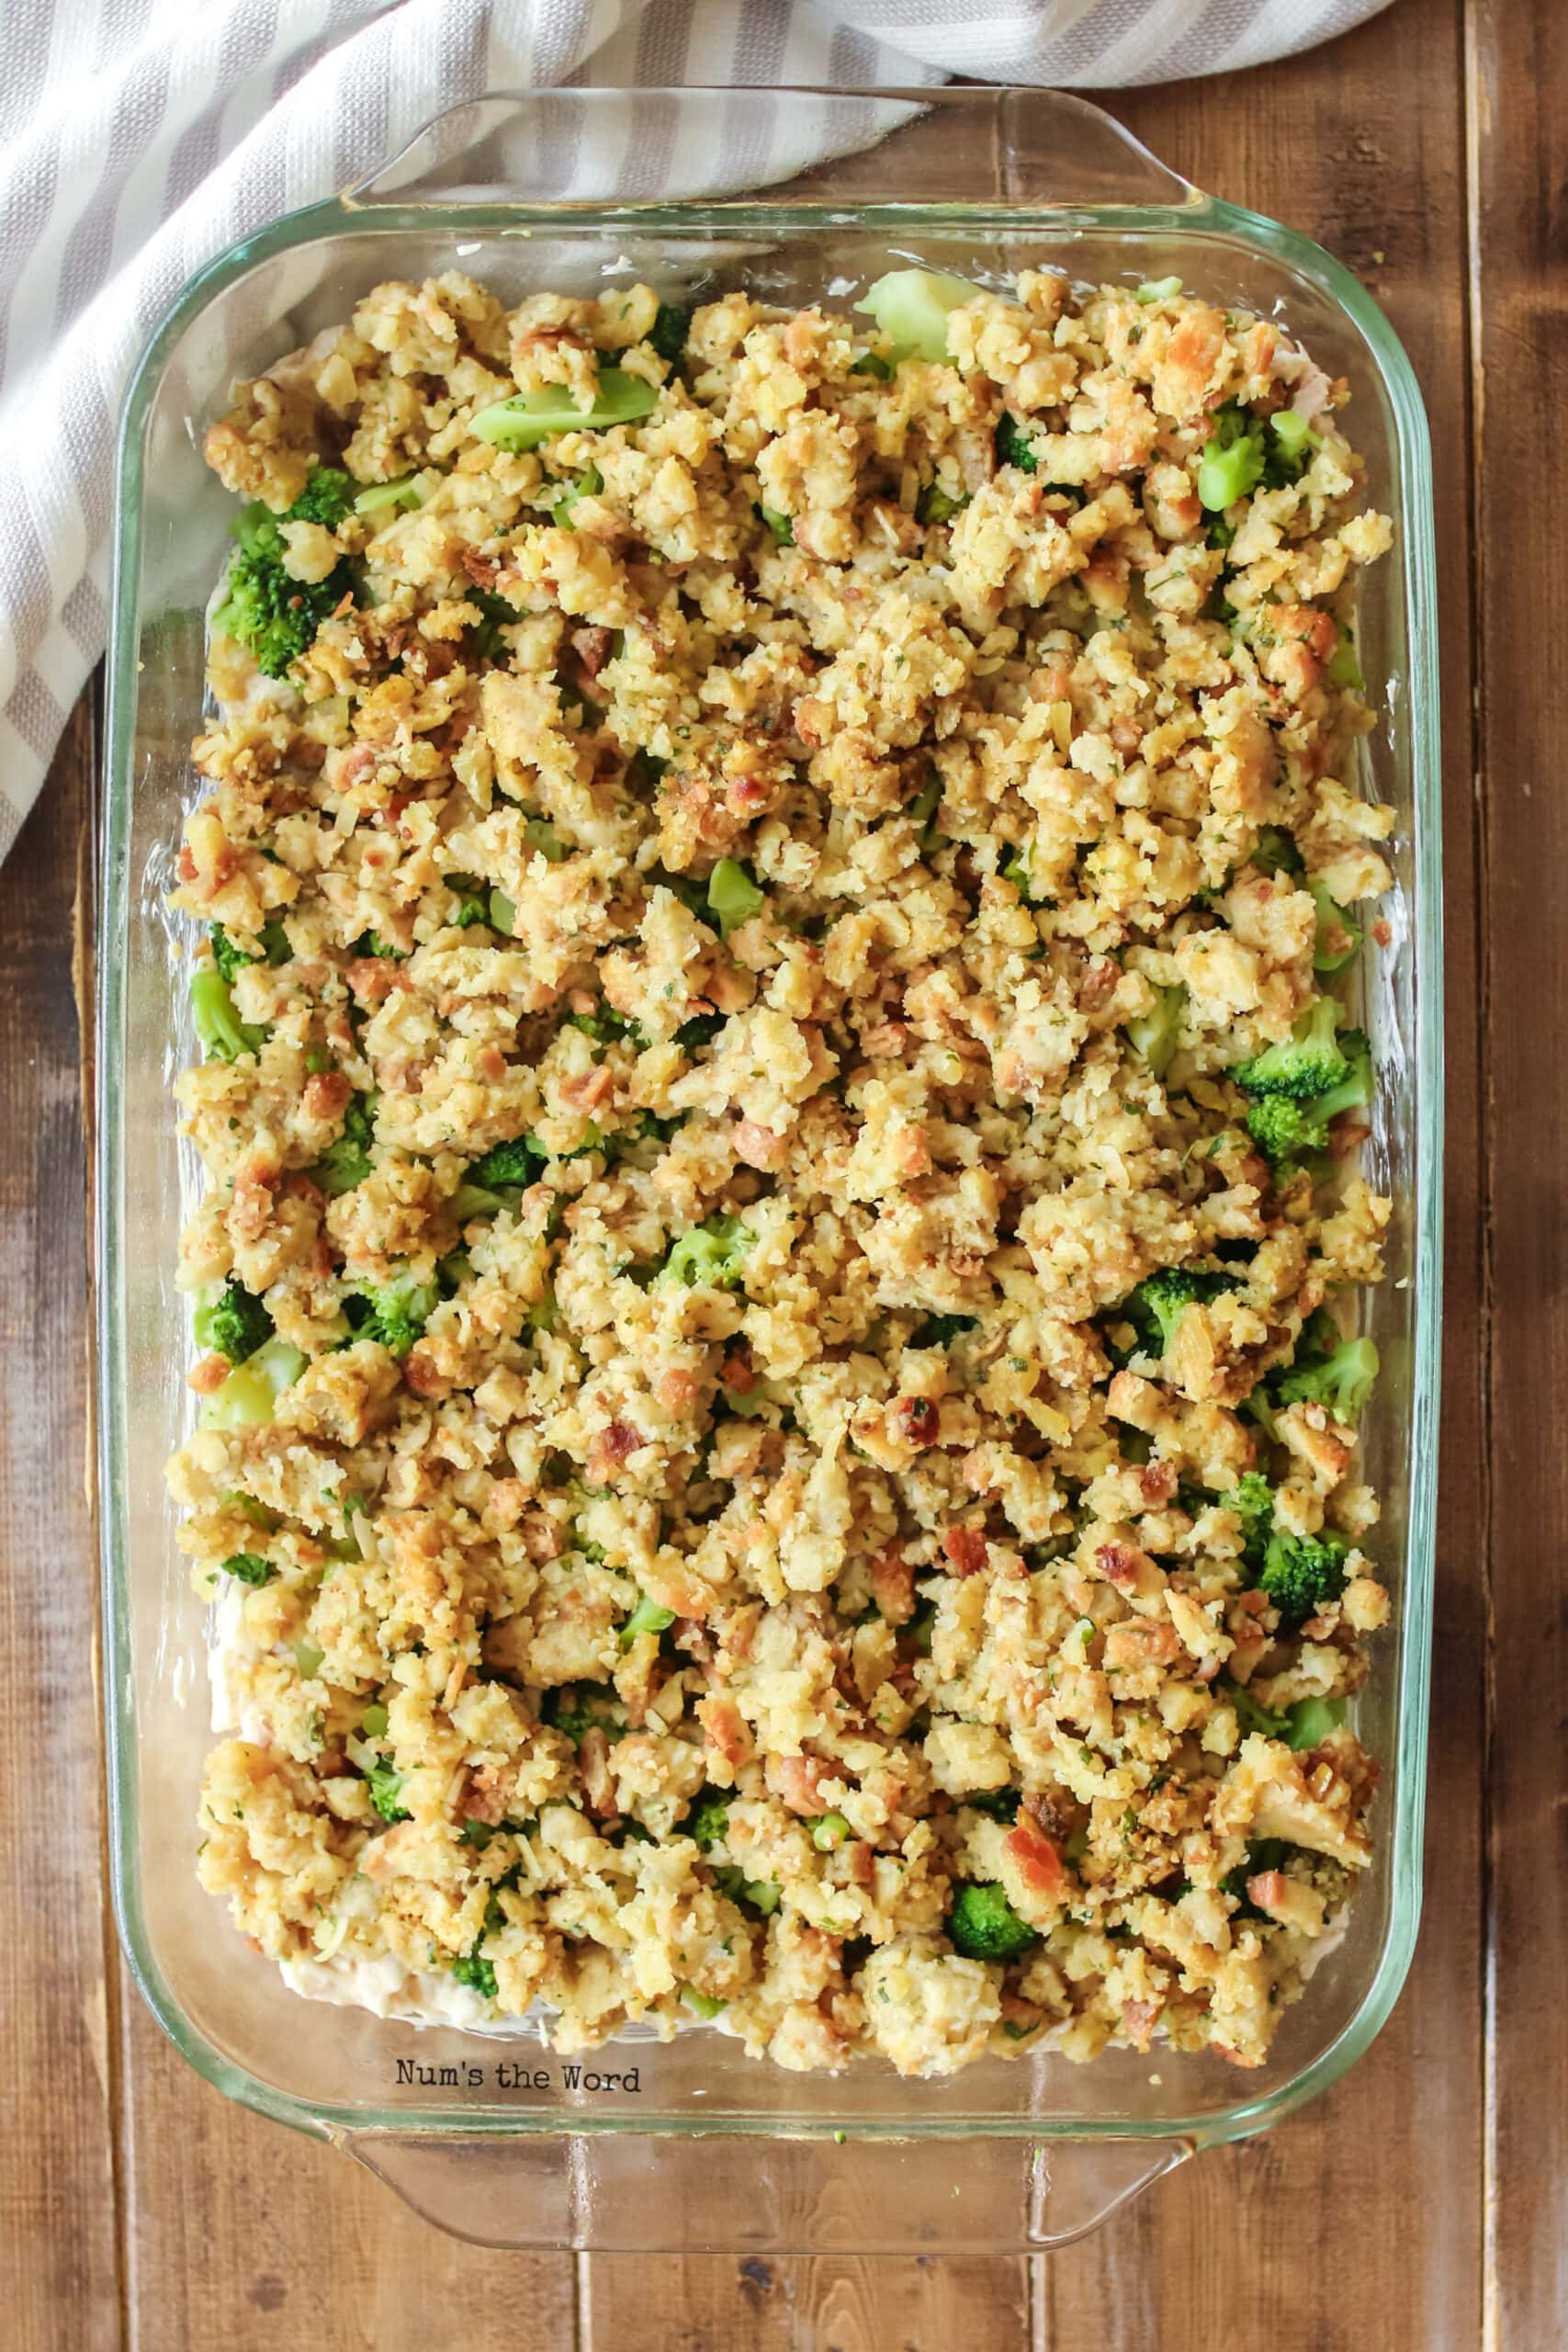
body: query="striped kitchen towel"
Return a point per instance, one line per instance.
(138, 138)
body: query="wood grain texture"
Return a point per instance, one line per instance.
(1425, 2203)
(1518, 103)
(57, 2183)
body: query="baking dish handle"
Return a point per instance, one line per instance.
(936, 146)
(614, 2192)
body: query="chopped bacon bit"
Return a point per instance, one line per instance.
(326, 1094)
(1159, 1481)
(1120, 1565)
(758, 1145)
(723, 1729)
(210, 1373)
(966, 1549)
(893, 1582)
(593, 648)
(915, 1420)
(423, 1374)
(1038, 1861)
(797, 1782)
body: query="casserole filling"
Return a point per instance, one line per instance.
(776, 1283)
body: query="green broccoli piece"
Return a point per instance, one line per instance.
(524, 419)
(711, 1256)
(1334, 1373)
(1276, 851)
(1232, 460)
(248, 1398)
(326, 498)
(935, 505)
(1337, 937)
(229, 959)
(495, 614)
(733, 895)
(398, 1312)
(1312, 1720)
(1308, 1063)
(761, 1893)
(346, 1161)
(941, 1330)
(923, 810)
(706, 1821)
(1262, 1854)
(475, 1969)
(263, 607)
(385, 1783)
(648, 1617)
(1289, 453)
(983, 1925)
(249, 1567)
(782, 526)
(218, 1025)
(1157, 290)
(542, 838)
(235, 1323)
(706, 2005)
(1155, 1308)
(667, 333)
(911, 306)
(370, 943)
(701, 1030)
(1252, 1499)
(871, 363)
(1302, 1574)
(587, 485)
(998, 1804)
(1014, 446)
(506, 1163)
(472, 900)
(575, 1709)
(1154, 1035)
(1285, 1129)
(1252, 1717)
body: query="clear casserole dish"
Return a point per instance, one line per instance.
(496, 2137)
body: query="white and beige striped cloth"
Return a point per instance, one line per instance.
(138, 138)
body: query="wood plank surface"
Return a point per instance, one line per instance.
(1424, 2203)
(57, 2156)
(1518, 106)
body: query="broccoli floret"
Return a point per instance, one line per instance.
(705, 1823)
(936, 505)
(1337, 1374)
(235, 1323)
(1232, 460)
(1014, 446)
(669, 332)
(1154, 1035)
(229, 959)
(1302, 1574)
(1276, 851)
(701, 1030)
(1155, 1308)
(506, 1163)
(761, 1893)
(733, 897)
(249, 1397)
(1337, 937)
(1285, 1128)
(711, 1256)
(941, 1330)
(249, 1567)
(1252, 1499)
(385, 1783)
(1306, 1065)
(648, 1617)
(218, 1025)
(472, 897)
(1262, 1854)
(475, 1969)
(346, 1162)
(495, 614)
(582, 1707)
(398, 1312)
(326, 499)
(983, 1925)
(264, 606)
(1001, 1805)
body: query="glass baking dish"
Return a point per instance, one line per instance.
(690, 2145)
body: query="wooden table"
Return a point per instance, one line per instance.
(1424, 2203)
